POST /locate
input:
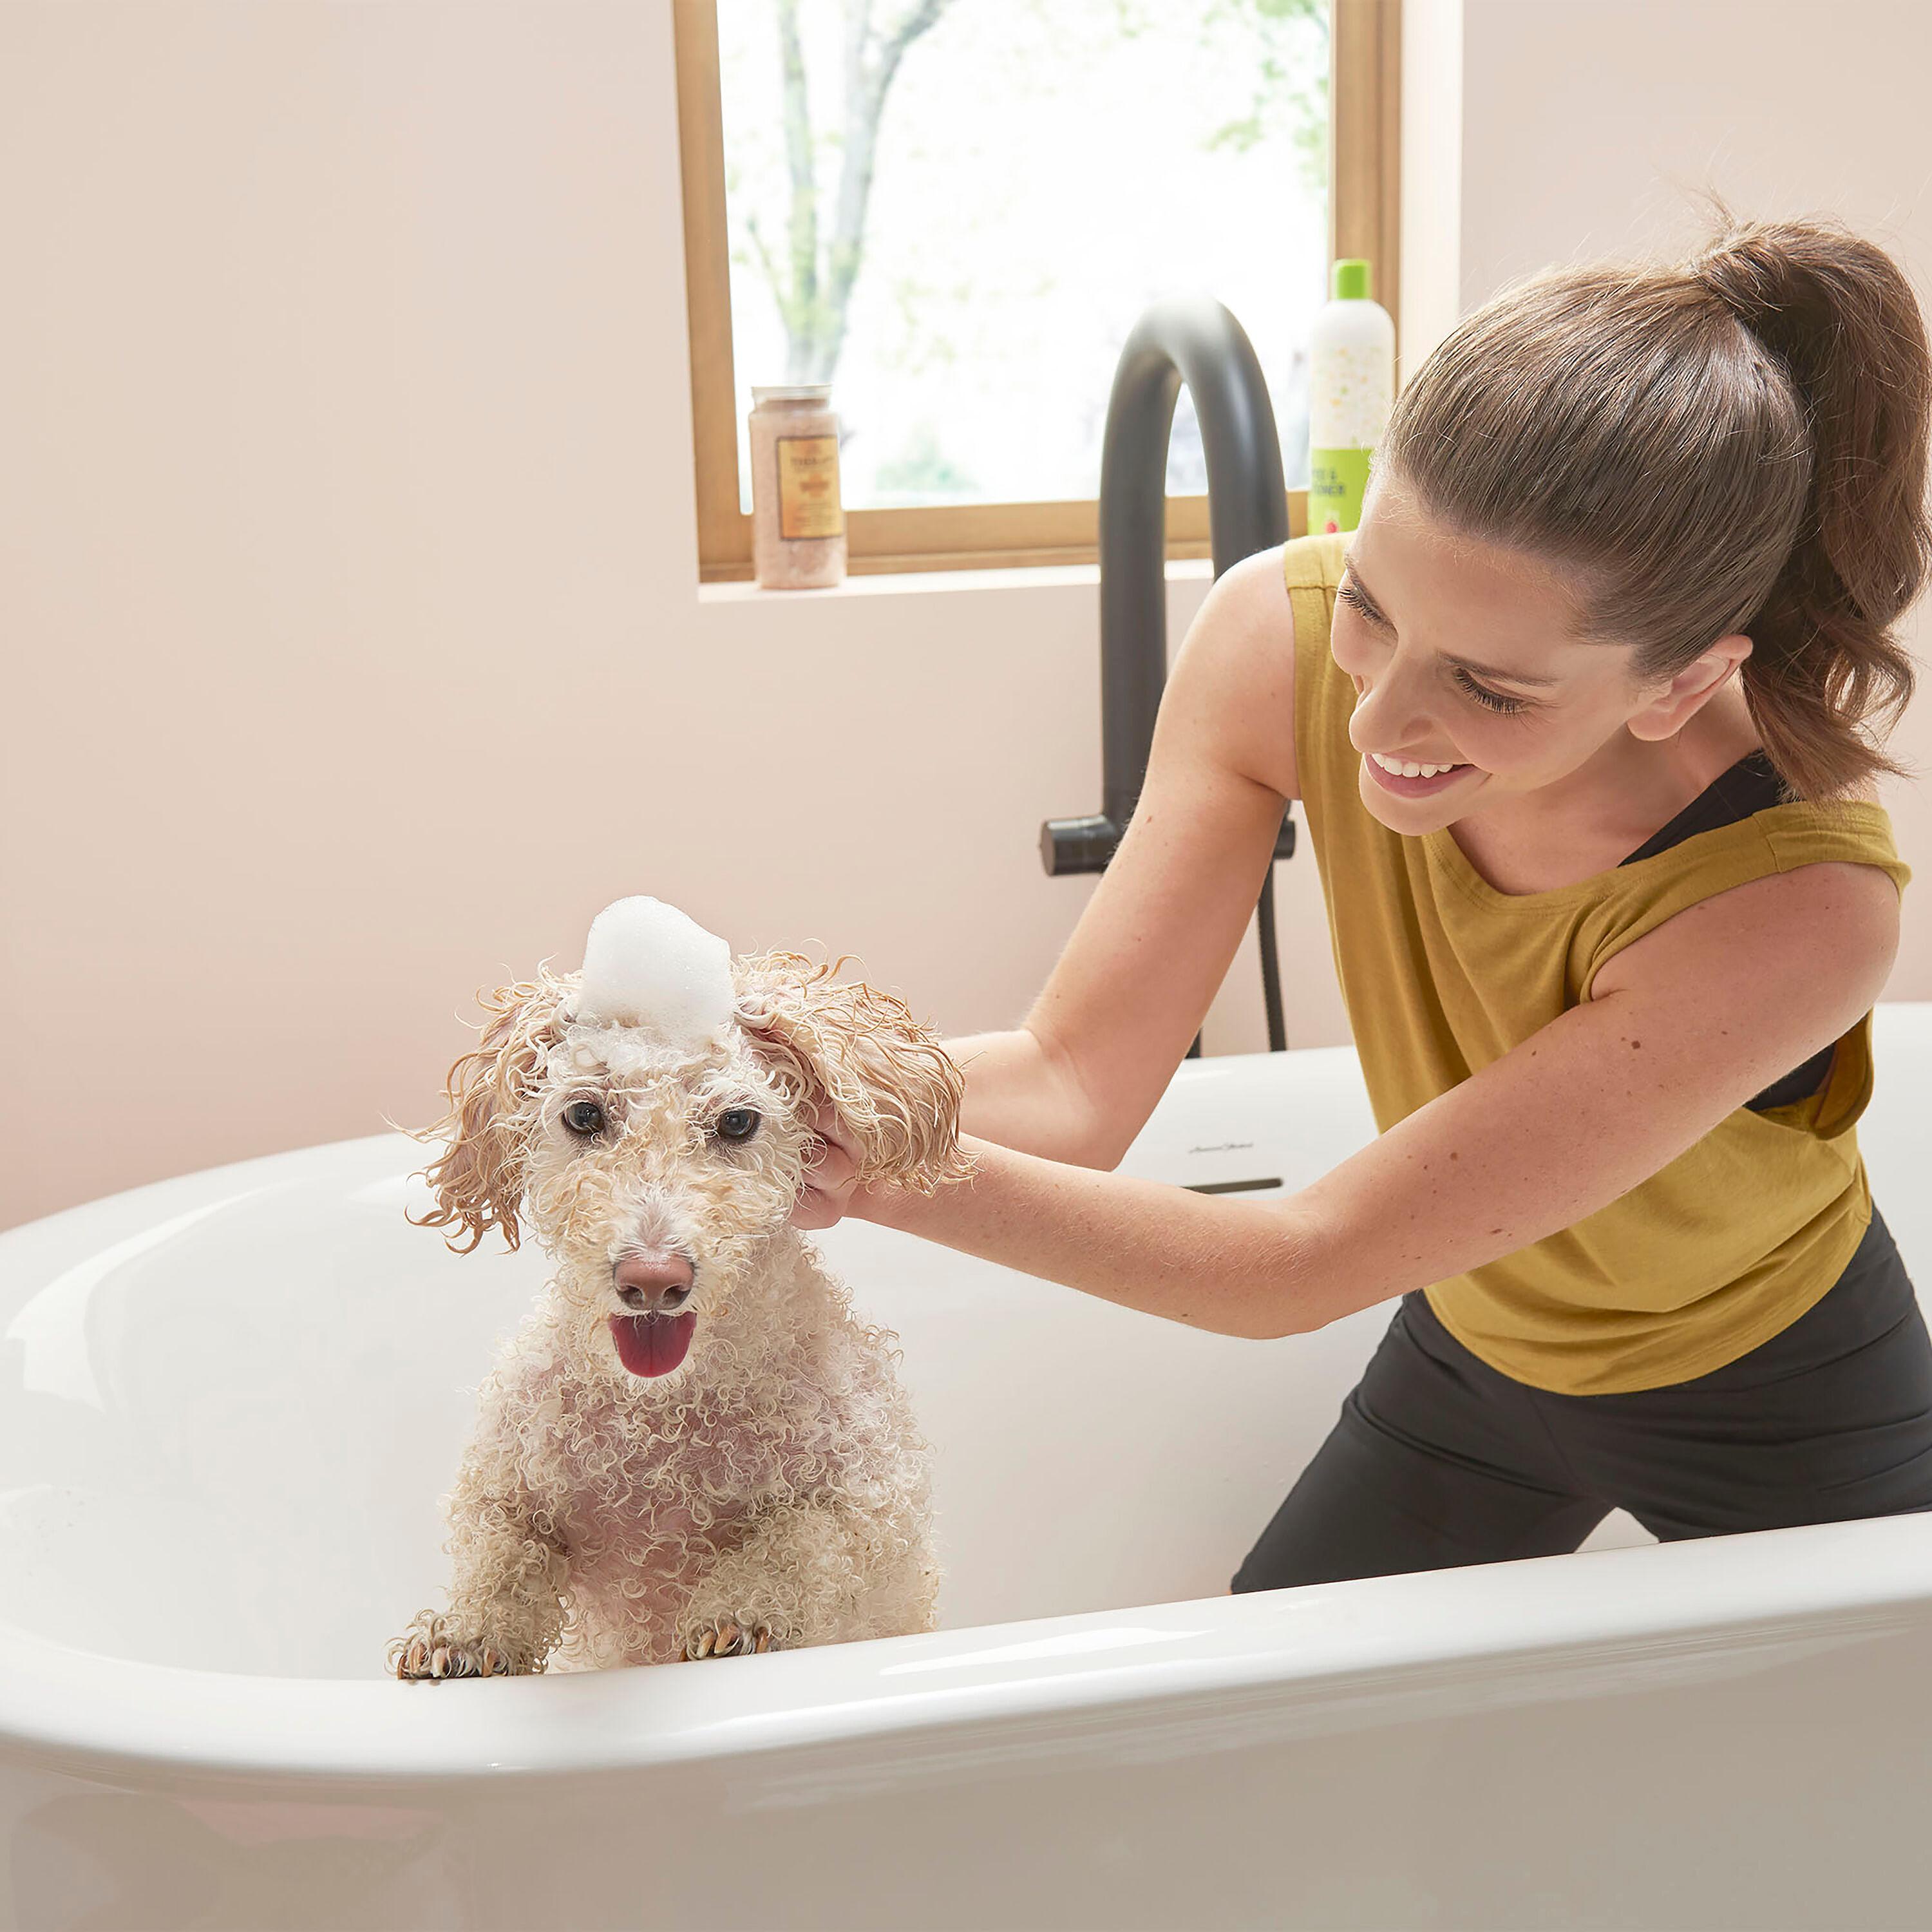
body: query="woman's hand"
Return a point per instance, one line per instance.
(830, 1180)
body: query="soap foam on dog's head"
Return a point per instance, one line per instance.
(646, 964)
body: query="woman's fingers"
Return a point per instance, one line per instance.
(833, 1168)
(812, 1211)
(830, 1172)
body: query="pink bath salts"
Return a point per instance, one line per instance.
(798, 522)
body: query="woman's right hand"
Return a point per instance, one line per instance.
(825, 1192)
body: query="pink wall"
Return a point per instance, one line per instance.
(349, 592)
(347, 576)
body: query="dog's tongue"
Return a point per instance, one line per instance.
(652, 1345)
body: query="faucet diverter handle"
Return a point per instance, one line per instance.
(1077, 845)
(1068, 845)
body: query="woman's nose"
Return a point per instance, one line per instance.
(1385, 715)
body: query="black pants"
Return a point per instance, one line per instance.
(1439, 1460)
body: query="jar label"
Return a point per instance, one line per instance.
(808, 503)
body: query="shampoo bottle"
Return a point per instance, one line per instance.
(1350, 390)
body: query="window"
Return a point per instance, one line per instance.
(968, 294)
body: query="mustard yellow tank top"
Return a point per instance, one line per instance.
(1441, 973)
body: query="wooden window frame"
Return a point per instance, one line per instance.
(1364, 208)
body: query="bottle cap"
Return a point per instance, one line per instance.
(790, 392)
(1353, 280)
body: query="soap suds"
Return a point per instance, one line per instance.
(650, 966)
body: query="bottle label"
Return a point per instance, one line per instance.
(809, 504)
(1351, 393)
(1337, 481)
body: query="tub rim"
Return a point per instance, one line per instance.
(1347, 1655)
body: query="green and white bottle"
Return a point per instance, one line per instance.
(1350, 390)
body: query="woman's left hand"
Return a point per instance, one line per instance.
(830, 1189)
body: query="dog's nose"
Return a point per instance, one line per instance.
(656, 1287)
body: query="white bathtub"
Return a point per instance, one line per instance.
(229, 1402)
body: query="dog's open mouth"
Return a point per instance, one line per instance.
(652, 1345)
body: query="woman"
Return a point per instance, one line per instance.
(1634, 544)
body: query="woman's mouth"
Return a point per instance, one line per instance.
(1427, 778)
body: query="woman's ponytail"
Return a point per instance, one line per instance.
(1840, 320)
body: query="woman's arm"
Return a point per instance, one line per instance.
(1684, 1026)
(1021, 1094)
(1076, 1081)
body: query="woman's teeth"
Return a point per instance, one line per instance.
(1407, 768)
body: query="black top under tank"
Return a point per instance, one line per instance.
(1750, 785)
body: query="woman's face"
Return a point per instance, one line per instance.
(1463, 654)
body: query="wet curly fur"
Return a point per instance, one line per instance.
(771, 1491)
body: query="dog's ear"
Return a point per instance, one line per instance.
(894, 1088)
(479, 1180)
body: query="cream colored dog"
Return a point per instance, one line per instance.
(692, 1448)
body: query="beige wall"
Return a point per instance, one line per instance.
(350, 592)
(347, 560)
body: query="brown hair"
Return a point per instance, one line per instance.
(1738, 443)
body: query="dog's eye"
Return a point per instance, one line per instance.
(584, 1117)
(737, 1123)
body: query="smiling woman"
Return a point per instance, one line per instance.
(1484, 681)
(1577, 718)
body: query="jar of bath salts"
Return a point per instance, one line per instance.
(798, 524)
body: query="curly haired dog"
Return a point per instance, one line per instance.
(691, 1448)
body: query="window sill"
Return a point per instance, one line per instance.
(926, 582)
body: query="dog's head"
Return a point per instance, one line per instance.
(655, 1162)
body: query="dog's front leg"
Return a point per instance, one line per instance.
(505, 1611)
(815, 1572)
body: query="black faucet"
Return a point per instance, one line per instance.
(1190, 339)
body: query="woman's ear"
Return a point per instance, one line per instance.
(479, 1180)
(895, 1090)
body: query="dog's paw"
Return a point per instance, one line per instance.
(429, 1656)
(725, 1638)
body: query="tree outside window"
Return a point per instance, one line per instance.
(954, 210)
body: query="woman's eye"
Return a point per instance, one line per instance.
(737, 1123)
(584, 1117)
(1490, 700)
(1349, 594)
(1482, 695)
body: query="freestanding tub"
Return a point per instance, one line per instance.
(229, 1403)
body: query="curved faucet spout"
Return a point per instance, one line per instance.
(1192, 339)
